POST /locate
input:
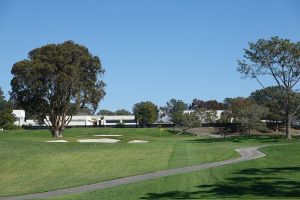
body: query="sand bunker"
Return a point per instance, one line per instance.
(108, 135)
(57, 141)
(138, 141)
(103, 140)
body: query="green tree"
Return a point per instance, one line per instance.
(105, 112)
(6, 116)
(122, 112)
(55, 81)
(274, 98)
(188, 121)
(234, 105)
(145, 113)
(84, 111)
(174, 111)
(206, 116)
(279, 59)
(226, 117)
(250, 116)
(209, 105)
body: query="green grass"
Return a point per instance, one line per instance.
(276, 176)
(30, 165)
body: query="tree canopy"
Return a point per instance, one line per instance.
(209, 105)
(55, 81)
(273, 98)
(105, 112)
(122, 112)
(145, 113)
(234, 105)
(117, 112)
(174, 111)
(279, 59)
(6, 116)
(188, 121)
(250, 116)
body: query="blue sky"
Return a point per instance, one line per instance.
(151, 50)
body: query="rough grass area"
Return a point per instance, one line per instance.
(29, 164)
(276, 176)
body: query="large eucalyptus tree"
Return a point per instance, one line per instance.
(55, 81)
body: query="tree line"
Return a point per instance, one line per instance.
(60, 80)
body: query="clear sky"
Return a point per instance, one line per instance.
(151, 49)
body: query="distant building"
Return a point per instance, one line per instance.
(20, 117)
(118, 119)
(81, 120)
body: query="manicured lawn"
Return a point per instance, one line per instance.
(29, 165)
(276, 176)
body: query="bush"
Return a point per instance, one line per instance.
(241, 128)
(262, 127)
(10, 126)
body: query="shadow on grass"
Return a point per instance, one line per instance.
(254, 183)
(268, 171)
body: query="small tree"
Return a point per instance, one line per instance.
(250, 116)
(274, 99)
(6, 116)
(209, 105)
(279, 59)
(174, 111)
(145, 113)
(55, 81)
(188, 121)
(122, 112)
(105, 112)
(234, 105)
(206, 116)
(226, 117)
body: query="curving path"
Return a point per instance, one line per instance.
(246, 154)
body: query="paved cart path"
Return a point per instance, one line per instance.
(246, 154)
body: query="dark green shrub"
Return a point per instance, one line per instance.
(10, 126)
(262, 127)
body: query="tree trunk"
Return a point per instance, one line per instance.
(57, 133)
(288, 121)
(57, 127)
(288, 118)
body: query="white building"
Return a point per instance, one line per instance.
(84, 120)
(118, 119)
(103, 120)
(20, 117)
(81, 120)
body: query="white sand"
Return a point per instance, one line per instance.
(138, 141)
(57, 141)
(103, 140)
(108, 135)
